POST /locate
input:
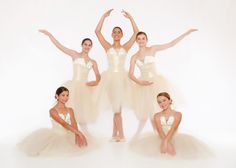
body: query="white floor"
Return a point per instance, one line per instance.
(115, 155)
(119, 155)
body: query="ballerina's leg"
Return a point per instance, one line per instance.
(141, 125)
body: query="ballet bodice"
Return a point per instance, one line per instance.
(116, 59)
(81, 69)
(147, 67)
(65, 117)
(166, 123)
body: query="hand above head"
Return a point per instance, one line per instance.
(107, 13)
(126, 14)
(45, 32)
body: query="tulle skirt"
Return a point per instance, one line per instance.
(82, 101)
(144, 102)
(53, 142)
(114, 91)
(186, 146)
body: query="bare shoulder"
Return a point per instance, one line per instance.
(134, 57)
(71, 111)
(75, 54)
(78, 54)
(149, 48)
(93, 61)
(157, 115)
(153, 49)
(178, 114)
(53, 111)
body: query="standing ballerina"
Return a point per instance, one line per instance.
(149, 84)
(115, 82)
(81, 100)
(64, 136)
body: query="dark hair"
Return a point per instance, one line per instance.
(117, 27)
(165, 94)
(139, 33)
(60, 90)
(86, 39)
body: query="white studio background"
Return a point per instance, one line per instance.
(202, 66)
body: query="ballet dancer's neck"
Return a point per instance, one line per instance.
(61, 105)
(116, 44)
(167, 111)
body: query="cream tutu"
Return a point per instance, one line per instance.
(81, 95)
(144, 101)
(186, 146)
(56, 141)
(115, 86)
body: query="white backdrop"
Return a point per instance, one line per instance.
(202, 66)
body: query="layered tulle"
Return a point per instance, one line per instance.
(186, 146)
(82, 101)
(55, 141)
(144, 98)
(114, 90)
(144, 101)
(82, 96)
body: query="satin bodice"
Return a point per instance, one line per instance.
(81, 69)
(166, 123)
(66, 118)
(147, 67)
(116, 59)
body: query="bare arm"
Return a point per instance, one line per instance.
(73, 121)
(131, 73)
(57, 118)
(178, 117)
(105, 44)
(97, 75)
(158, 126)
(67, 51)
(79, 138)
(156, 48)
(131, 41)
(131, 70)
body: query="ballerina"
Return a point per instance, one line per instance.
(115, 81)
(150, 83)
(169, 141)
(63, 138)
(167, 122)
(82, 90)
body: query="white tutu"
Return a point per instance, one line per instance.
(186, 146)
(81, 96)
(114, 89)
(56, 141)
(144, 98)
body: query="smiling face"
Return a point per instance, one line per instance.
(141, 39)
(163, 102)
(63, 97)
(86, 45)
(117, 34)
